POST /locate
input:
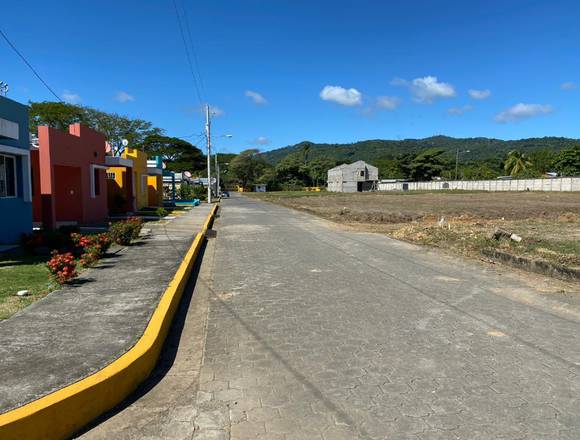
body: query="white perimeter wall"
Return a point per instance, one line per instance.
(557, 184)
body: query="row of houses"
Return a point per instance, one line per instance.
(67, 177)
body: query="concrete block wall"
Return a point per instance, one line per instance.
(558, 184)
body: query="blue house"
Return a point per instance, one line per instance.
(15, 183)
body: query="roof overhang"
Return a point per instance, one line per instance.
(13, 150)
(116, 161)
(154, 171)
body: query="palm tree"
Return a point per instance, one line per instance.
(516, 163)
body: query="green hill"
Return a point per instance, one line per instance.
(480, 148)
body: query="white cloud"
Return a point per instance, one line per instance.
(256, 97)
(388, 102)
(123, 97)
(216, 111)
(70, 97)
(458, 111)
(399, 82)
(342, 96)
(479, 94)
(522, 111)
(261, 140)
(568, 85)
(427, 89)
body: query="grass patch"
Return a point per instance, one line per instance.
(22, 272)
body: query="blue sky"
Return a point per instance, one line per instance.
(279, 72)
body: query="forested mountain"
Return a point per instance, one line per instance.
(480, 148)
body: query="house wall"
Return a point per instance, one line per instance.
(345, 178)
(16, 212)
(140, 181)
(76, 152)
(557, 184)
(155, 182)
(120, 190)
(35, 174)
(155, 190)
(334, 180)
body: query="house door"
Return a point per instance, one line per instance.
(67, 194)
(359, 186)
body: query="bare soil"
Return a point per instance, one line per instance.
(464, 222)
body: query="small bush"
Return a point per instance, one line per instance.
(126, 230)
(161, 212)
(136, 225)
(92, 247)
(199, 192)
(62, 266)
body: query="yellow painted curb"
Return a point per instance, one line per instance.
(60, 414)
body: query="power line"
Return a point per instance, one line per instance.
(193, 51)
(195, 82)
(29, 65)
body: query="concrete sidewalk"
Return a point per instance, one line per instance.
(80, 329)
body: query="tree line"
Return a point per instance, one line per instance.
(299, 169)
(178, 154)
(304, 166)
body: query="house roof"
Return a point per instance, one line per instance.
(353, 165)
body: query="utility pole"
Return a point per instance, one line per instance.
(208, 140)
(217, 171)
(457, 162)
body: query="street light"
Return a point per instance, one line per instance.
(457, 161)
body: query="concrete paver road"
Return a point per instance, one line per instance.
(319, 333)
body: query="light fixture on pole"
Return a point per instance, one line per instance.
(457, 161)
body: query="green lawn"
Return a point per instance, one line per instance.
(22, 272)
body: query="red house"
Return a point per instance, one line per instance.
(68, 173)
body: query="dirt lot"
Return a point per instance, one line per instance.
(464, 222)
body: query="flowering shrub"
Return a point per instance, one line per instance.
(126, 230)
(62, 266)
(136, 225)
(92, 247)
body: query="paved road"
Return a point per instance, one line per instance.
(319, 333)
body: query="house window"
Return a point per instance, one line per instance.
(7, 176)
(362, 173)
(111, 176)
(97, 182)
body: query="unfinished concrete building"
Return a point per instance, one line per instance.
(355, 177)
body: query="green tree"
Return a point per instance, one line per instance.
(115, 127)
(293, 168)
(247, 167)
(318, 170)
(516, 163)
(55, 114)
(427, 164)
(179, 155)
(567, 163)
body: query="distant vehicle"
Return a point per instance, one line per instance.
(504, 178)
(225, 193)
(551, 174)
